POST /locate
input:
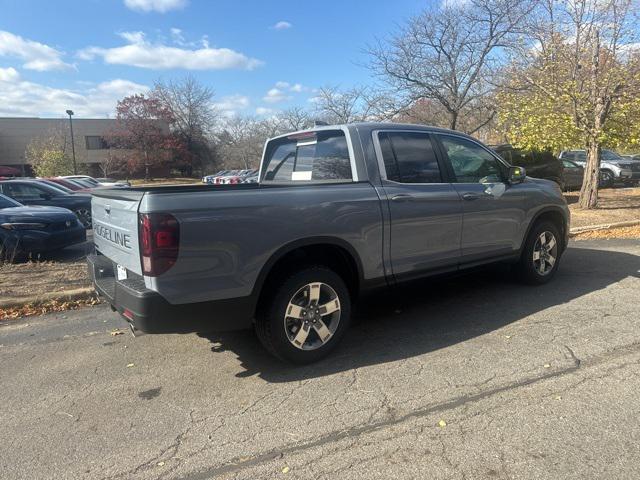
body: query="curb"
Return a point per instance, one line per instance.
(605, 226)
(64, 296)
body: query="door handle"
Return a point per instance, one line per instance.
(470, 196)
(402, 197)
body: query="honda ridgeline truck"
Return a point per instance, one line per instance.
(338, 210)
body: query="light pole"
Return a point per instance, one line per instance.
(73, 144)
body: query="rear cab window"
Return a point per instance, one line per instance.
(320, 156)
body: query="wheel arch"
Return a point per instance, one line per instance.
(347, 261)
(553, 214)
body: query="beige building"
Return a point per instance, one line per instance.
(16, 133)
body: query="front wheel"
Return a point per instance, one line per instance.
(84, 215)
(606, 179)
(306, 317)
(541, 254)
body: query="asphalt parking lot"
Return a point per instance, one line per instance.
(468, 377)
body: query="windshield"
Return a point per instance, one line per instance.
(6, 202)
(610, 155)
(56, 186)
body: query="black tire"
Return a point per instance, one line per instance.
(528, 269)
(272, 324)
(607, 179)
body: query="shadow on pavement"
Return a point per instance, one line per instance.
(429, 315)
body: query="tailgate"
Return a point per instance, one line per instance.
(115, 226)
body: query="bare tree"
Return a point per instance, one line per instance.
(580, 58)
(357, 104)
(292, 119)
(241, 141)
(191, 106)
(448, 54)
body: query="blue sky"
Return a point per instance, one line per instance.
(258, 56)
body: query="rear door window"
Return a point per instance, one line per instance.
(321, 156)
(409, 157)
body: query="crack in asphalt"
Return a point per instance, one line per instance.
(242, 463)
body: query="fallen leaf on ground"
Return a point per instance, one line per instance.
(546, 365)
(442, 424)
(13, 313)
(117, 332)
(129, 365)
(286, 469)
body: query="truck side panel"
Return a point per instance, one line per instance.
(226, 239)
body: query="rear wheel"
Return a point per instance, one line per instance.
(541, 254)
(305, 318)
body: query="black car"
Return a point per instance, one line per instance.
(537, 163)
(36, 229)
(35, 192)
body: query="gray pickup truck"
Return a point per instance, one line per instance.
(338, 210)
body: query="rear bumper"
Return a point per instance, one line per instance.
(147, 311)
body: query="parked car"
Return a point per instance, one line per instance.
(34, 192)
(573, 176)
(70, 184)
(339, 210)
(614, 169)
(222, 179)
(252, 178)
(26, 230)
(539, 163)
(211, 178)
(93, 183)
(239, 177)
(112, 182)
(634, 157)
(9, 172)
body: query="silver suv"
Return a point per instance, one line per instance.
(613, 168)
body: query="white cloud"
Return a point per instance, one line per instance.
(282, 25)
(231, 104)
(263, 112)
(36, 55)
(161, 6)
(23, 98)
(139, 52)
(276, 95)
(282, 90)
(9, 75)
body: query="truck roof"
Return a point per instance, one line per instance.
(369, 126)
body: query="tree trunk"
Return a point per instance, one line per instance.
(454, 120)
(589, 191)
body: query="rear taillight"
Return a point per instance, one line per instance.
(159, 241)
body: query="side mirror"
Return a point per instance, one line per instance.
(517, 175)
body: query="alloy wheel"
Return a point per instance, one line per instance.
(312, 316)
(84, 215)
(545, 253)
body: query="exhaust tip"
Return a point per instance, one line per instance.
(134, 331)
